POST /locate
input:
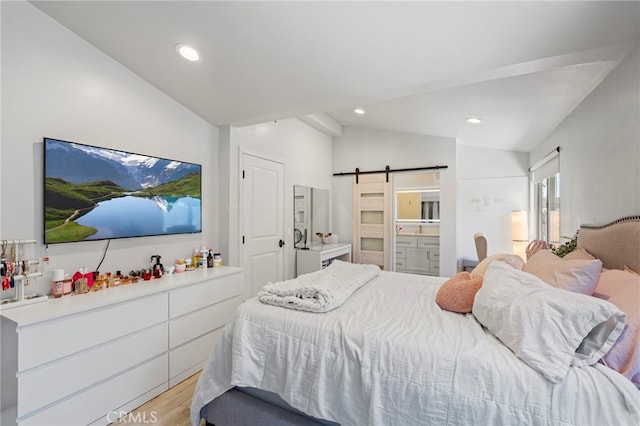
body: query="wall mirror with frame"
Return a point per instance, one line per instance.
(417, 198)
(311, 212)
(418, 205)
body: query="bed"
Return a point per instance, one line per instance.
(389, 355)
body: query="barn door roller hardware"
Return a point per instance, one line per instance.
(387, 170)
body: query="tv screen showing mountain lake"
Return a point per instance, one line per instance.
(134, 216)
(93, 193)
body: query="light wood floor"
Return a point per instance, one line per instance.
(171, 408)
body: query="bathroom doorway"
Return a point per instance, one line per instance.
(417, 223)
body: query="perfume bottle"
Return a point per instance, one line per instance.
(117, 279)
(196, 258)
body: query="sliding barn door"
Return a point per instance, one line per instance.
(372, 221)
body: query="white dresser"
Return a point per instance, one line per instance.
(418, 254)
(319, 257)
(87, 359)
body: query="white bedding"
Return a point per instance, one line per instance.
(390, 356)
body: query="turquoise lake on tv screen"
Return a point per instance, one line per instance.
(136, 216)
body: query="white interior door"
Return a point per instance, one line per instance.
(262, 222)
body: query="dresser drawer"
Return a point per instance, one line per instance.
(100, 403)
(42, 386)
(434, 268)
(197, 296)
(401, 252)
(186, 360)
(405, 241)
(401, 264)
(52, 340)
(428, 242)
(202, 321)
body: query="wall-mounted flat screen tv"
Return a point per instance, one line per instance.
(93, 193)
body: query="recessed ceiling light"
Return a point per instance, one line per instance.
(473, 120)
(187, 52)
(359, 111)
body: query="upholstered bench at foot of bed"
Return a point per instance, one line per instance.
(238, 408)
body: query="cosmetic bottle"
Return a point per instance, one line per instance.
(203, 256)
(188, 265)
(67, 284)
(195, 261)
(81, 281)
(117, 279)
(57, 284)
(210, 259)
(100, 282)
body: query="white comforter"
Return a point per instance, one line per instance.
(390, 356)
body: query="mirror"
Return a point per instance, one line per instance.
(417, 198)
(418, 205)
(310, 215)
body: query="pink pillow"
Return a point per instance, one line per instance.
(627, 269)
(457, 293)
(534, 246)
(623, 290)
(513, 260)
(577, 275)
(579, 254)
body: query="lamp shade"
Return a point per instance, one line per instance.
(519, 232)
(519, 226)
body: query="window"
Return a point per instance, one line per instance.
(545, 176)
(547, 202)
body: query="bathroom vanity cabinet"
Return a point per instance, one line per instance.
(418, 254)
(90, 358)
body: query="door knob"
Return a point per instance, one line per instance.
(281, 243)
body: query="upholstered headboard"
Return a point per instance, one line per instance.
(617, 243)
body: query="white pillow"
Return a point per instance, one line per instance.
(548, 328)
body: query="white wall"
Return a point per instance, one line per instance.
(369, 149)
(481, 163)
(600, 151)
(57, 85)
(306, 153)
(481, 168)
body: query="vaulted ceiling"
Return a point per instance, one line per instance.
(418, 67)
